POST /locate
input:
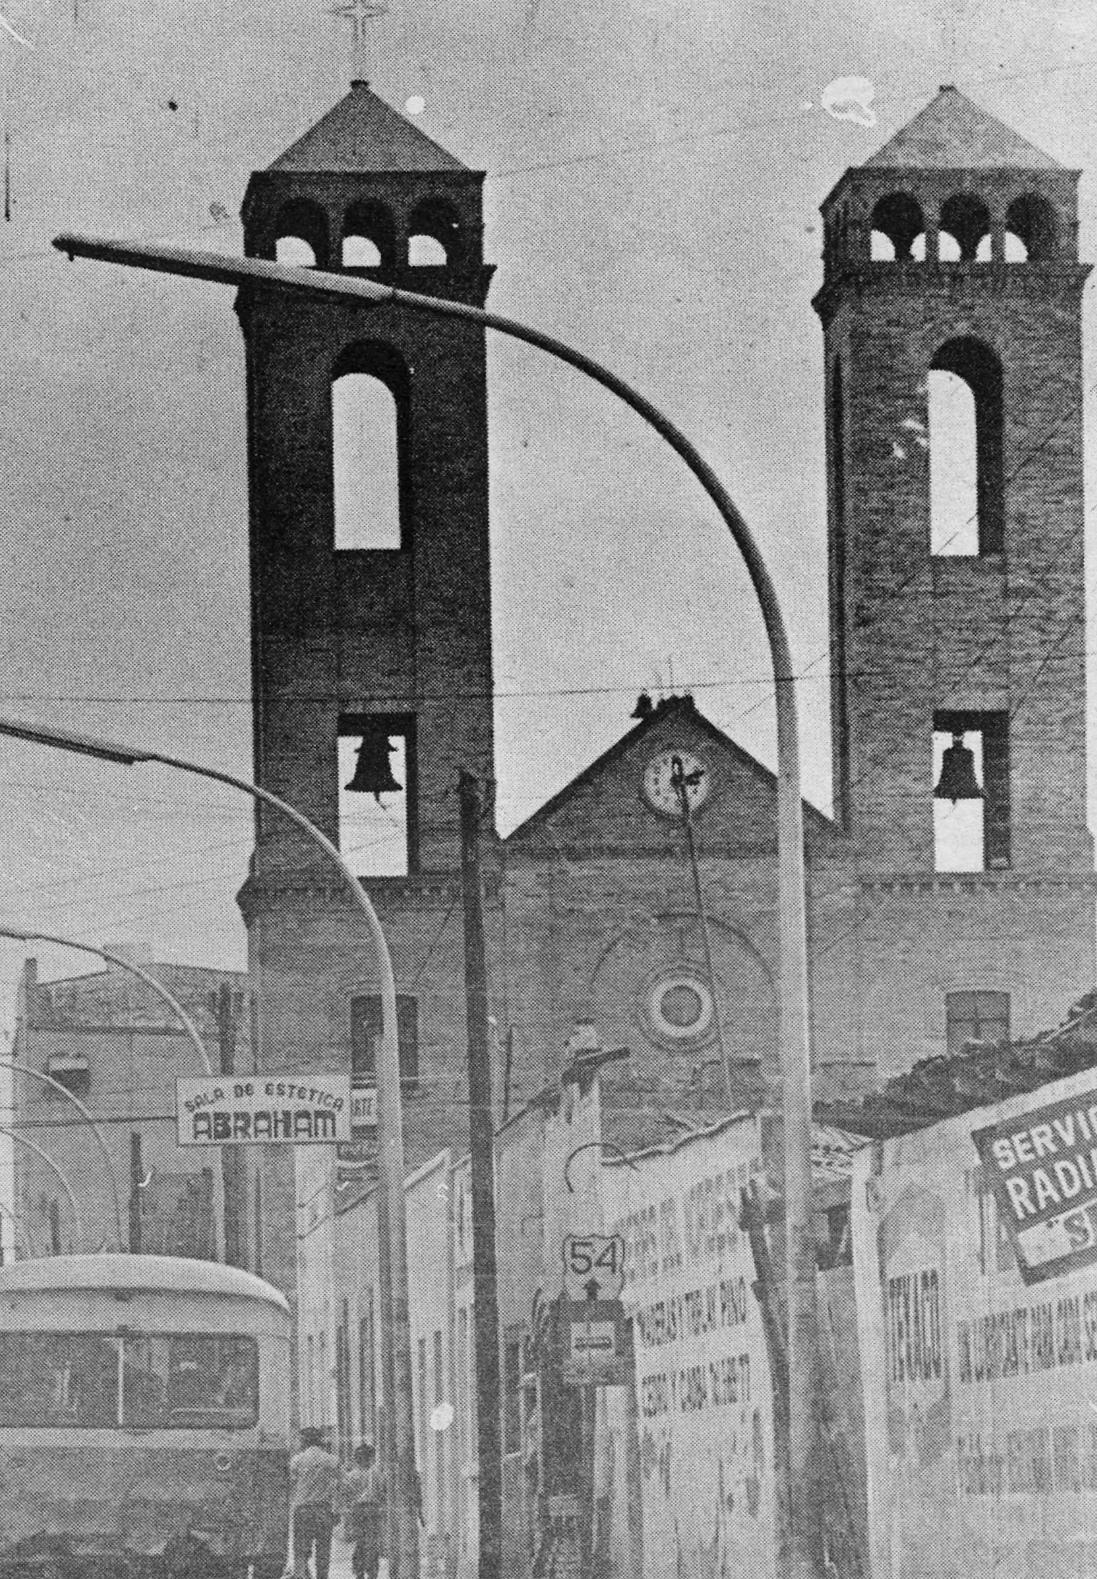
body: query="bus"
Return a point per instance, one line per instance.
(144, 1420)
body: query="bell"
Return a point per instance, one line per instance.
(644, 706)
(958, 781)
(372, 773)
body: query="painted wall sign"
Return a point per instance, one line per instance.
(982, 1437)
(703, 1393)
(262, 1110)
(1042, 1166)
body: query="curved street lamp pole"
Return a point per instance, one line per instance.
(803, 1555)
(100, 1138)
(44, 1156)
(189, 1028)
(393, 1269)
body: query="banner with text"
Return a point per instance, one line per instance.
(261, 1110)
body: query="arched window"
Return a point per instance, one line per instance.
(434, 235)
(368, 416)
(965, 220)
(301, 235)
(896, 222)
(1031, 220)
(368, 237)
(965, 449)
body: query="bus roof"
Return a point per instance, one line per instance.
(141, 1273)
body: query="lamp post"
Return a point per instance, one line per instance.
(803, 1552)
(190, 1030)
(390, 1130)
(21, 1140)
(100, 1138)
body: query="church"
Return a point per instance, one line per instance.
(950, 892)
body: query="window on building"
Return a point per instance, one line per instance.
(301, 235)
(975, 1017)
(895, 226)
(434, 235)
(365, 1033)
(971, 834)
(965, 450)
(376, 767)
(1031, 222)
(512, 1391)
(365, 463)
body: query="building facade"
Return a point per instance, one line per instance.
(117, 1048)
(951, 273)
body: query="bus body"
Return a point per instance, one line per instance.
(144, 1420)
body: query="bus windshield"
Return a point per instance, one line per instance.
(136, 1380)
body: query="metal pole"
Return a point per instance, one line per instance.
(137, 1181)
(190, 1030)
(792, 900)
(44, 1156)
(224, 1008)
(678, 780)
(100, 1138)
(485, 1303)
(390, 1127)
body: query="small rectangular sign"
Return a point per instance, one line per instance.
(597, 1345)
(363, 1110)
(1042, 1167)
(262, 1110)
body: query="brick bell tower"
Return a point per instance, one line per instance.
(951, 312)
(371, 644)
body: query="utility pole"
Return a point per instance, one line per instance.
(225, 1006)
(485, 1305)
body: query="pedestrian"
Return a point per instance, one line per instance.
(316, 1480)
(365, 1493)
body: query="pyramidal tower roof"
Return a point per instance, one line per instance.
(952, 133)
(363, 135)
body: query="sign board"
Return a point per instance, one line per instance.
(356, 1154)
(594, 1266)
(1042, 1167)
(363, 1109)
(262, 1110)
(596, 1354)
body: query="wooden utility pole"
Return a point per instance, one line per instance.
(226, 1004)
(485, 1309)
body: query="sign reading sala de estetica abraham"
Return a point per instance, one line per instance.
(262, 1110)
(1042, 1167)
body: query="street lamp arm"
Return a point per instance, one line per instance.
(104, 1149)
(44, 1156)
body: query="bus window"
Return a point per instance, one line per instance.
(190, 1380)
(58, 1379)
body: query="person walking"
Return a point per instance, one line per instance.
(365, 1493)
(316, 1486)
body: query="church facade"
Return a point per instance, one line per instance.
(956, 589)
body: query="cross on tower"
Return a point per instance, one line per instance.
(358, 13)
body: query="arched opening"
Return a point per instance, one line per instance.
(1032, 221)
(965, 449)
(368, 415)
(1014, 249)
(434, 235)
(965, 220)
(896, 221)
(301, 235)
(368, 237)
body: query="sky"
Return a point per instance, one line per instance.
(654, 170)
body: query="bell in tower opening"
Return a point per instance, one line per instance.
(372, 772)
(958, 781)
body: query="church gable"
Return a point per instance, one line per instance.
(625, 801)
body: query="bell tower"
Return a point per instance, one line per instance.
(951, 312)
(371, 618)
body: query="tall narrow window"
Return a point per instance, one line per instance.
(965, 450)
(376, 767)
(971, 813)
(365, 461)
(365, 1032)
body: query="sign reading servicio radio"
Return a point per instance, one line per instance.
(261, 1110)
(1042, 1167)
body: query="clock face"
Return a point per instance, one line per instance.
(659, 785)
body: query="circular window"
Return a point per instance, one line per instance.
(679, 1007)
